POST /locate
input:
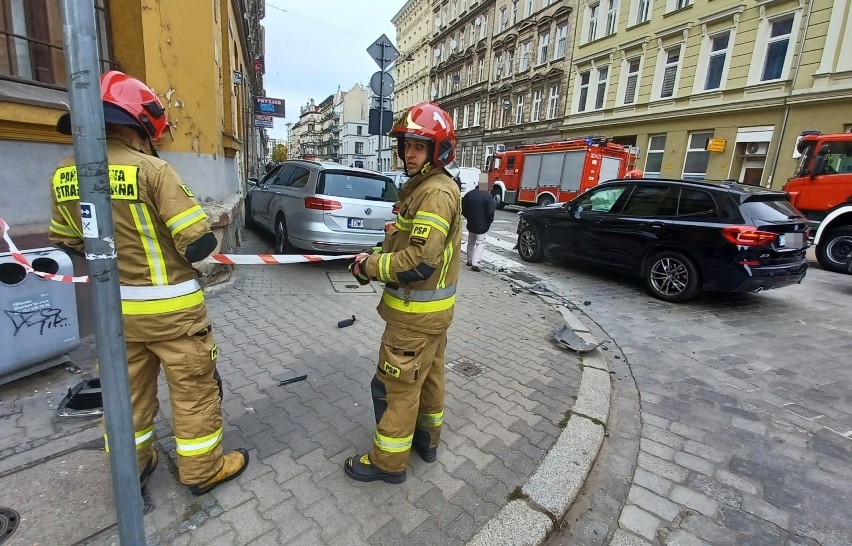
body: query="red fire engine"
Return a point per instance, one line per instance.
(542, 174)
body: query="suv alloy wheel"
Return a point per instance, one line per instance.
(671, 276)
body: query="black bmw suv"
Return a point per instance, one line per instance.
(680, 237)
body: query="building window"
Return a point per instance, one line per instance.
(502, 24)
(455, 117)
(492, 119)
(477, 106)
(474, 159)
(461, 155)
(465, 114)
(554, 102)
(536, 105)
(611, 17)
(697, 156)
(519, 112)
(525, 57)
(529, 7)
(584, 90)
(716, 63)
(498, 66)
(505, 112)
(470, 74)
(654, 156)
(510, 63)
(359, 130)
(31, 41)
(592, 13)
(632, 80)
(603, 79)
(671, 64)
(543, 41)
(483, 29)
(481, 70)
(359, 148)
(776, 49)
(514, 11)
(561, 42)
(640, 11)
(674, 5)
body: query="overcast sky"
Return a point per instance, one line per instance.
(314, 47)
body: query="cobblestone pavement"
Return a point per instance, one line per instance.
(746, 407)
(509, 388)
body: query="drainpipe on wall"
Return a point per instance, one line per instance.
(789, 94)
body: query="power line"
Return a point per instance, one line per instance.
(317, 21)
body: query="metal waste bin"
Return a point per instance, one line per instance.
(38, 317)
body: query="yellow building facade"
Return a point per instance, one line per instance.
(669, 75)
(204, 69)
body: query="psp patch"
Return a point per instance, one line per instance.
(391, 369)
(419, 234)
(186, 190)
(214, 352)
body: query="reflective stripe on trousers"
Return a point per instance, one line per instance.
(191, 447)
(143, 438)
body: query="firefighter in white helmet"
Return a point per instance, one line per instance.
(159, 231)
(419, 264)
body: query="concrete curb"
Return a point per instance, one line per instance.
(558, 480)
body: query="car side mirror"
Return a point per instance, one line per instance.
(252, 182)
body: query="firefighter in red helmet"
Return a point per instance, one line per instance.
(419, 264)
(160, 230)
(634, 173)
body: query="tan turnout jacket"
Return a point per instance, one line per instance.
(419, 260)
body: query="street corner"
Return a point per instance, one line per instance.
(509, 389)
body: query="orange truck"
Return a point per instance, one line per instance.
(555, 172)
(822, 191)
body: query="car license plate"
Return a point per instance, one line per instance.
(792, 240)
(355, 223)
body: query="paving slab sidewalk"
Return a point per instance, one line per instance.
(509, 390)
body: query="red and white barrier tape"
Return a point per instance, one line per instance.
(227, 259)
(271, 259)
(21, 259)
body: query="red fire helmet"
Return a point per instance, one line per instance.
(635, 173)
(127, 101)
(427, 121)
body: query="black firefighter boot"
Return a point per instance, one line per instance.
(150, 466)
(420, 443)
(360, 468)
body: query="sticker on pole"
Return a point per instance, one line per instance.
(89, 219)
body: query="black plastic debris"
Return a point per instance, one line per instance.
(293, 380)
(570, 340)
(83, 400)
(346, 322)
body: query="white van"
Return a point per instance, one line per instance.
(469, 177)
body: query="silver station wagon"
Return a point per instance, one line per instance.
(310, 205)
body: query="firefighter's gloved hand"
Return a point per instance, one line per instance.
(375, 250)
(358, 270)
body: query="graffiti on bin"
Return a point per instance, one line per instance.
(30, 314)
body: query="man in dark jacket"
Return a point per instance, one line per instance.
(478, 209)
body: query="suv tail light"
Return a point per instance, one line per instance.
(317, 203)
(748, 235)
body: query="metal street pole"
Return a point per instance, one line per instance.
(381, 107)
(87, 127)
